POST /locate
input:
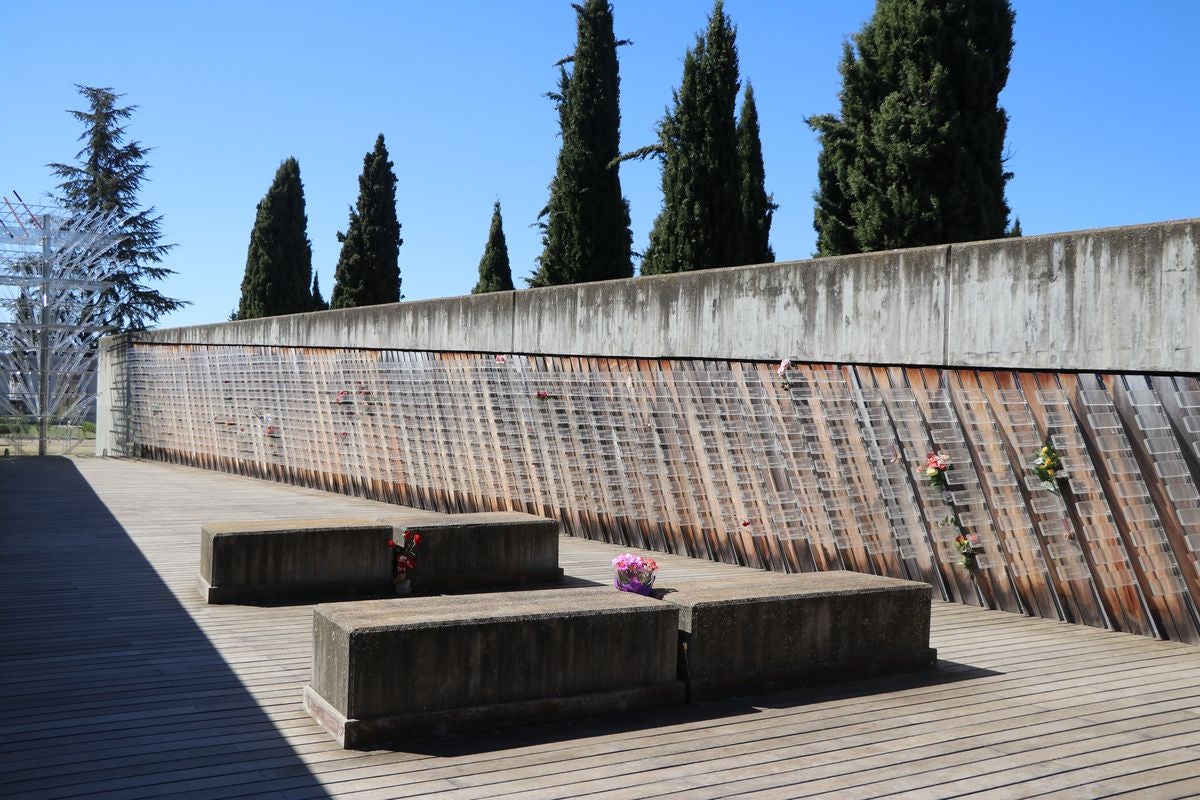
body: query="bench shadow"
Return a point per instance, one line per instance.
(712, 711)
(110, 687)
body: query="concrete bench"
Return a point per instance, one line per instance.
(766, 631)
(387, 670)
(325, 559)
(289, 559)
(482, 550)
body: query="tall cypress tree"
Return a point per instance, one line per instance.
(495, 274)
(916, 155)
(279, 258)
(586, 234)
(318, 301)
(701, 222)
(108, 177)
(757, 206)
(368, 270)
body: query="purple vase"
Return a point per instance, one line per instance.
(633, 585)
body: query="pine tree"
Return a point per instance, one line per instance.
(586, 234)
(495, 274)
(916, 155)
(279, 258)
(757, 206)
(318, 302)
(108, 177)
(368, 270)
(701, 224)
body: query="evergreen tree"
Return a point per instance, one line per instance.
(586, 234)
(1015, 231)
(368, 270)
(916, 156)
(318, 302)
(279, 258)
(495, 274)
(552, 263)
(108, 177)
(757, 206)
(701, 222)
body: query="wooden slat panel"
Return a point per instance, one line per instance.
(716, 460)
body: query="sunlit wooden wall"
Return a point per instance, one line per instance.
(721, 461)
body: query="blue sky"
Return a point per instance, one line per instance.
(1102, 100)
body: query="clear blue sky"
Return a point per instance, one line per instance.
(1102, 98)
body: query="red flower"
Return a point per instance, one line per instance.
(391, 543)
(745, 524)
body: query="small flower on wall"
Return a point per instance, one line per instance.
(936, 467)
(968, 549)
(1048, 466)
(782, 371)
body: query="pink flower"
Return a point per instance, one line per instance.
(501, 359)
(784, 366)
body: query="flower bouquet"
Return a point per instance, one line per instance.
(936, 467)
(968, 548)
(404, 560)
(1048, 466)
(634, 573)
(782, 372)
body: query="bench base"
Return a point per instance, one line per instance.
(358, 734)
(306, 592)
(716, 688)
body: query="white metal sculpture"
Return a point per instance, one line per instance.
(53, 265)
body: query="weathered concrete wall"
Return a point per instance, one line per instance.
(1117, 299)
(1121, 299)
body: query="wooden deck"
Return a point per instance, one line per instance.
(118, 682)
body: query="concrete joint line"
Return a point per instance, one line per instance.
(949, 260)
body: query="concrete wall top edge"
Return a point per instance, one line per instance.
(1111, 299)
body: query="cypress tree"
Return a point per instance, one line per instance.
(757, 206)
(368, 270)
(495, 274)
(552, 263)
(586, 235)
(279, 258)
(108, 177)
(701, 222)
(318, 302)
(916, 155)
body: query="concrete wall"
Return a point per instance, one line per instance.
(1116, 299)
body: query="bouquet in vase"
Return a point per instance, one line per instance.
(634, 573)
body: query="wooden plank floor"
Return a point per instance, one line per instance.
(118, 682)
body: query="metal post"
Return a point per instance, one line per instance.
(44, 343)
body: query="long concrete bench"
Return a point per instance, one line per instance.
(388, 670)
(288, 559)
(765, 631)
(316, 559)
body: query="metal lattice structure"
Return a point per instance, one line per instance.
(52, 268)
